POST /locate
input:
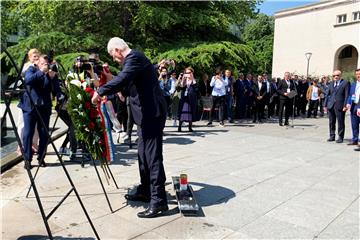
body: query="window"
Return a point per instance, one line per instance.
(341, 18)
(356, 16)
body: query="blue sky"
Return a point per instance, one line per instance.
(269, 7)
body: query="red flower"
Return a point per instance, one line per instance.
(91, 125)
(87, 105)
(93, 113)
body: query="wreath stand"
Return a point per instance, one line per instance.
(8, 94)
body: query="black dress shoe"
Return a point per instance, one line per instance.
(191, 130)
(352, 143)
(137, 197)
(280, 124)
(153, 211)
(28, 166)
(286, 124)
(331, 139)
(357, 149)
(340, 140)
(42, 163)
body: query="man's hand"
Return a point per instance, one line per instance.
(285, 94)
(348, 106)
(344, 109)
(325, 109)
(95, 99)
(358, 112)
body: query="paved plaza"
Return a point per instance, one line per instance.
(252, 181)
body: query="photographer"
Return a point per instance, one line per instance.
(188, 99)
(40, 82)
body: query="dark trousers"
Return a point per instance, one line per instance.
(240, 108)
(65, 117)
(339, 116)
(355, 121)
(321, 104)
(220, 102)
(288, 105)
(313, 108)
(30, 120)
(152, 173)
(271, 107)
(259, 110)
(229, 103)
(249, 108)
(302, 105)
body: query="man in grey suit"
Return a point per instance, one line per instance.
(335, 104)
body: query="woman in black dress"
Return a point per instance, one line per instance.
(188, 98)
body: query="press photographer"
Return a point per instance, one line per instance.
(40, 82)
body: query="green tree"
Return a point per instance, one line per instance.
(259, 34)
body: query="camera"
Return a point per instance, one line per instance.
(92, 62)
(53, 67)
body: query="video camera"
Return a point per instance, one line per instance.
(88, 64)
(52, 66)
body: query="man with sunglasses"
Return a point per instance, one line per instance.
(335, 105)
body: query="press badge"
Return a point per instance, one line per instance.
(353, 97)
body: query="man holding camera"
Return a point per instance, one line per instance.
(40, 82)
(148, 107)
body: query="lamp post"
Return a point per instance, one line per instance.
(308, 56)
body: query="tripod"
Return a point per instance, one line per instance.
(8, 94)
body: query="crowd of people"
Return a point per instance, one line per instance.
(146, 95)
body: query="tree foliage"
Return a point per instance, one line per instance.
(259, 34)
(155, 27)
(205, 57)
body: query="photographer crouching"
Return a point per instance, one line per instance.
(40, 83)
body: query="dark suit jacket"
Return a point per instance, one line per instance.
(145, 96)
(337, 97)
(282, 88)
(260, 92)
(40, 86)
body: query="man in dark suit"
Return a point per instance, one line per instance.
(148, 107)
(335, 104)
(285, 86)
(352, 102)
(260, 91)
(249, 95)
(40, 83)
(239, 92)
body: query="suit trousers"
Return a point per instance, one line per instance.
(150, 157)
(339, 116)
(355, 121)
(30, 120)
(218, 101)
(288, 105)
(65, 117)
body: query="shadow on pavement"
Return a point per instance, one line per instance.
(209, 195)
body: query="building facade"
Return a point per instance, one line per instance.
(317, 38)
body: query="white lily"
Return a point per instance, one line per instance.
(79, 96)
(76, 82)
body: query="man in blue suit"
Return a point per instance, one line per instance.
(40, 83)
(352, 102)
(335, 104)
(148, 107)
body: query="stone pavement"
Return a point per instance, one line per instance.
(251, 181)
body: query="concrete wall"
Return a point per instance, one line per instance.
(313, 29)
